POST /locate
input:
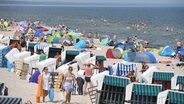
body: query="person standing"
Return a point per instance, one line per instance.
(45, 84)
(88, 71)
(69, 80)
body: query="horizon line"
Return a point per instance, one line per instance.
(94, 5)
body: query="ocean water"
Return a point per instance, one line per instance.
(109, 20)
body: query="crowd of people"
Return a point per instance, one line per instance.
(27, 33)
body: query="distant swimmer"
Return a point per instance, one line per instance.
(167, 28)
(172, 29)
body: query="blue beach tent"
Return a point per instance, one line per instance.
(81, 44)
(140, 57)
(167, 51)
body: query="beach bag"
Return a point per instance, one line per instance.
(10, 66)
(51, 94)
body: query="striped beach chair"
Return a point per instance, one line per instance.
(10, 100)
(138, 93)
(163, 78)
(40, 47)
(113, 90)
(180, 82)
(170, 97)
(177, 82)
(123, 68)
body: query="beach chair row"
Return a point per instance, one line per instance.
(119, 90)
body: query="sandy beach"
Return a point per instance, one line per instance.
(27, 91)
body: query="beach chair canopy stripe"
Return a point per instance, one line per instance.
(147, 90)
(116, 81)
(180, 80)
(41, 46)
(69, 52)
(123, 69)
(165, 76)
(100, 58)
(31, 45)
(10, 100)
(176, 97)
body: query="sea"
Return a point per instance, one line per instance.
(159, 25)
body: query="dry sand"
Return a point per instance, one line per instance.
(27, 91)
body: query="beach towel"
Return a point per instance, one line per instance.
(34, 77)
(10, 67)
(39, 92)
(51, 94)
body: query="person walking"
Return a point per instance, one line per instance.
(69, 80)
(46, 79)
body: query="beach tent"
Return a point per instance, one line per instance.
(147, 92)
(104, 41)
(167, 51)
(109, 53)
(56, 40)
(120, 45)
(81, 44)
(50, 38)
(170, 97)
(37, 33)
(56, 35)
(113, 53)
(113, 90)
(147, 57)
